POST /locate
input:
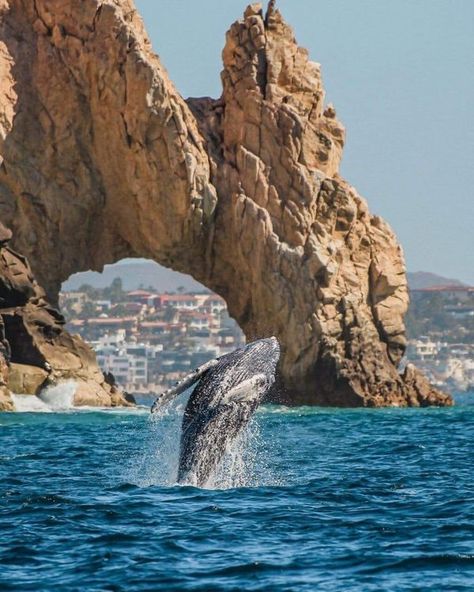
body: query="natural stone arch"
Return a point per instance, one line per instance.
(102, 159)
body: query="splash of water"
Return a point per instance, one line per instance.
(241, 461)
(60, 396)
(156, 460)
(245, 462)
(29, 404)
(53, 398)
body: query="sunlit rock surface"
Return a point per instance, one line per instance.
(36, 351)
(102, 159)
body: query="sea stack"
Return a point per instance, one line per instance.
(103, 159)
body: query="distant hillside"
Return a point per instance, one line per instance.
(139, 272)
(425, 279)
(135, 274)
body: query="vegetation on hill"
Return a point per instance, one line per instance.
(441, 317)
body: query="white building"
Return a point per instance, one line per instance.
(179, 301)
(423, 348)
(128, 362)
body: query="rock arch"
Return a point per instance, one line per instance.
(103, 159)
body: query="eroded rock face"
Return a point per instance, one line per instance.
(35, 349)
(103, 159)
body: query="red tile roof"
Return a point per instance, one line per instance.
(111, 321)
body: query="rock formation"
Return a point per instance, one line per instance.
(35, 349)
(102, 159)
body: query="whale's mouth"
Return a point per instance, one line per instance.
(247, 391)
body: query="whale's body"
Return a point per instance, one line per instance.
(228, 391)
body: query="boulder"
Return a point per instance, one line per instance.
(24, 379)
(421, 392)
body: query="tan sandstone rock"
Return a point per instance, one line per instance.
(6, 402)
(103, 159)
(35, 349)
(24, 379)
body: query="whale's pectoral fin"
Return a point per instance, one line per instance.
(248, 390)
(182, 385)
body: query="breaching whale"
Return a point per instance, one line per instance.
(229, 389)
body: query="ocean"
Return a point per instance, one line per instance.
(309, 499)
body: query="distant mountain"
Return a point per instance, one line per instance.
(134, 274)
(425, 279)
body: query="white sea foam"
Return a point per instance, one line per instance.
(53, 398)
(29, 404)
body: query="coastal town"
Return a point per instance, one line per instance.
(148, 340)
(440, 326)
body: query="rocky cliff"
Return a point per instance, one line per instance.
(102, 159)
(35, 349)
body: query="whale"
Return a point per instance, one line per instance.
(228, 391)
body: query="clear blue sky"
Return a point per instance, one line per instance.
(401, 76)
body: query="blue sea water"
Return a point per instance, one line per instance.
(311, 499)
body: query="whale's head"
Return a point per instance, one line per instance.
(267, 350)
(256, 361)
